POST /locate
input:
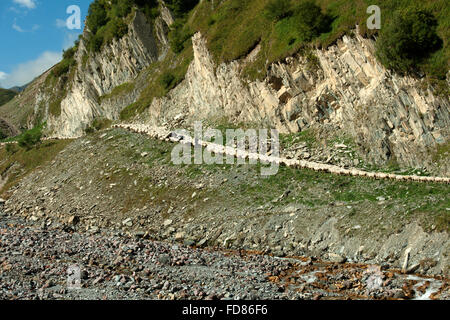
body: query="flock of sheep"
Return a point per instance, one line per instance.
(163, 134)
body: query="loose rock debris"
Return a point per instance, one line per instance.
(35, 260)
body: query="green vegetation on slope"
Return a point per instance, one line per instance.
(57, 81)
(233, 28)
(408, 40)
(18, 162)
(241, 187)
(163, 76)
(6, 95)
(124, 88)
(31, 135)
(98, 124)
(283, 27)
(108, 20)
(57, 87)
(30, 139)
(66, 63)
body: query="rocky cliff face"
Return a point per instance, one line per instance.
(96, 75)
(6, 128)
(118, 63)
(389, 116)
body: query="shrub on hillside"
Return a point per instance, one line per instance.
(143, 3)
(101, 123)
(149, 7)
(95, 43)
(167, 80)
(105, 28)
(178, 35)
(11, 148)
(114, 29)
(97, 16)
(98, 124)
(310, 20)
(62, 67)
(106, 19)
(68, 60)
(181, 7)
(278, 9)
(407, 40)
(30, 139)
(69, 53)
(122, 8)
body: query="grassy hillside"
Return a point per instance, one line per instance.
(18, 162)
(233, 28)
(285, 27)
(19, 111)
(6, 95)
(117, 182)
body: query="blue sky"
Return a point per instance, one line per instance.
(33, 35)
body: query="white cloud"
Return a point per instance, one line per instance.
(60, 23)
(13, 9)
(27, 71)
(3, 75)
(29, 4)
(16, 27)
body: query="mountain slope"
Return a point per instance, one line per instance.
(105, 181)
(18, 89)
(6, 95)
(137, 61)
(69, 96)
(237, 64)
(6, 129)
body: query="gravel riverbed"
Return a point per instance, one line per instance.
(48, 262)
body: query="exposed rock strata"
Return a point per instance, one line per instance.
(120, 62)
(388, 115)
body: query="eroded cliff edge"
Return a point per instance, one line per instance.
(388, 115)
(391, 118)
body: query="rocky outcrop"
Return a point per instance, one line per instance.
(166, 135)
(389, 116)
(28, 107)
(119, 62)
(6, 128)
(80, 97)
